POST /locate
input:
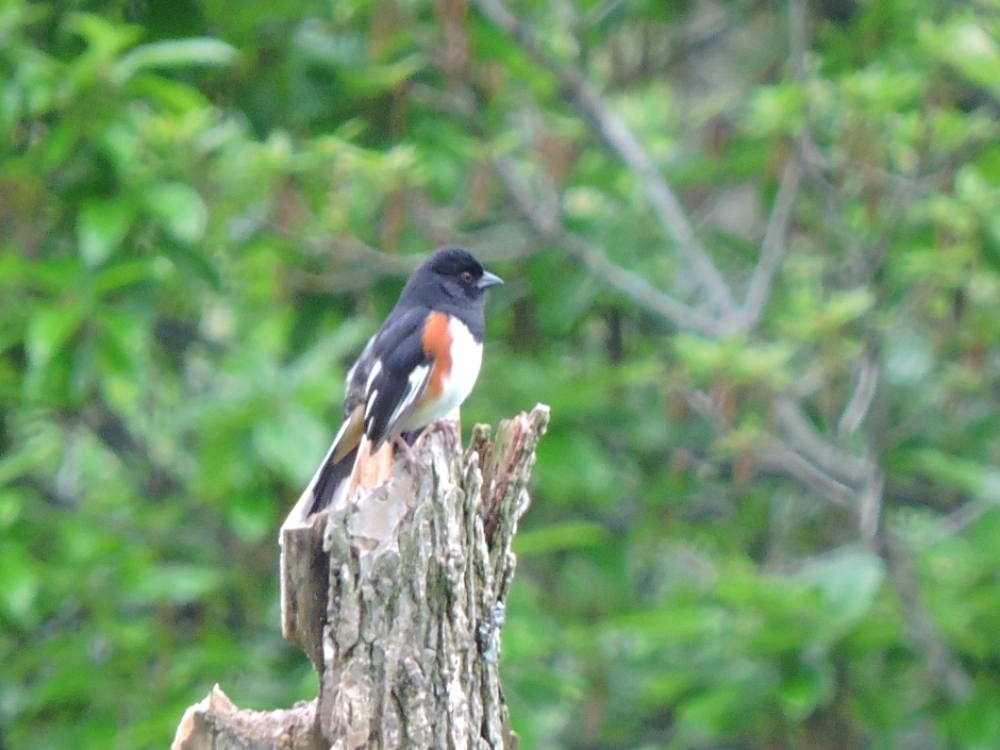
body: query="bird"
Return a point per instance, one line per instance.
(418, 368)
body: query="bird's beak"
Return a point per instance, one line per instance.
(488, 279)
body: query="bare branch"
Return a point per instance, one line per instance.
(849, 469)
(870, 502)
(943, 667)
(637, 288)
(617, 136)
(542, 215)
(798, 37)
(776, 454)
(813, 461)
(772, 248)
(547, 225)
(957, 521)
(861, 400)
(702, 403)
(358, 264)
(779, 455)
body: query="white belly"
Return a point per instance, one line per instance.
(466, 359)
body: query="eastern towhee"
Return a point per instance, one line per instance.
(417, 368)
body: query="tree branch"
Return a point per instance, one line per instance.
(779, 455)
(358, 264)
(772, 248)
(776, 454)
(861, 399)
(849, 469)
(944, 669)
(957, 521)
(630, 284)
(620, 139)
(217, 724)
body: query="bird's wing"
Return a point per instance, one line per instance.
(384, 385)
(398, 377)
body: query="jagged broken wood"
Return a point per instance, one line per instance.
(398, 600)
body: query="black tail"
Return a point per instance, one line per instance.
(332, 475)
(330, 478)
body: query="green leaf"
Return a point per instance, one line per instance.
(120, 275)
(677, 622)
(711, 713)
(120, 344)
(19, 584)
(965, 44)
(976, 720)
(197, 263)
(175, 53)
(104, 38)
(375, 79)
(777, 109)
(27, 457)
(11, 505)
(174, 583)
(977, 479)
(291, 441)
(807, 688)
(48, 332)
(180, 208)
(101, 226)
(172, 96)
(560, 536)
(849, 580)
(251, 521)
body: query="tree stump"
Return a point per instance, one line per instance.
(398, 600)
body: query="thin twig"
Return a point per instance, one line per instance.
(781, 456)
(541, 214)
(358, 264)
(772, 248)
(637, 288)
(861, 400)
(798, 38)
(870, 502)
(957, 521)
(620, 139)
(807, 440)
(776, 454)
(633, 286)
(942, 665)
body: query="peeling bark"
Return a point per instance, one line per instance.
(398, 599)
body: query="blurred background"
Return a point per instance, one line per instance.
(752, 252)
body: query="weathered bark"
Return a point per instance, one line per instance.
(398, 600)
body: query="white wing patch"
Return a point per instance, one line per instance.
(361, 357)
(376, 369)
(371, 404)
(415, 385)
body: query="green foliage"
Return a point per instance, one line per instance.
(190, 195)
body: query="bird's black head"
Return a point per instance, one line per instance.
(450, 277)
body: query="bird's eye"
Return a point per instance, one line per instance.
(466, 277)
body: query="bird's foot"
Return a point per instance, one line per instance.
(449, 428)
(404, 449)
(406, 442)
